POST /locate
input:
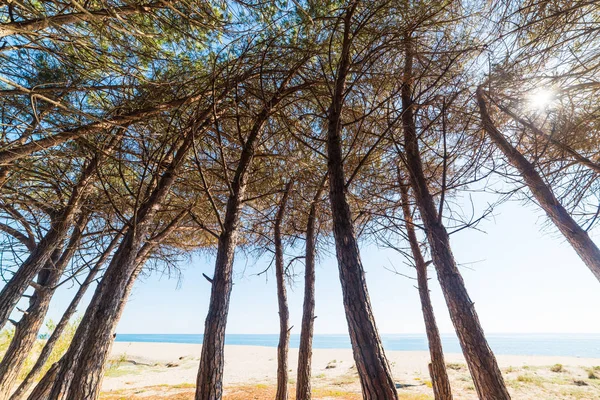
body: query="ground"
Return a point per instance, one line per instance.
(250, 374)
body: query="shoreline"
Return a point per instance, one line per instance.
(580, 345)
(120, 345)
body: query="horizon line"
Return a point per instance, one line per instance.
(381, 334)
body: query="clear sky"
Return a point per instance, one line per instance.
(521, 274)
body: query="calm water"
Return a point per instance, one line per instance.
(577, 345)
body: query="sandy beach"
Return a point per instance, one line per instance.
(168, 371)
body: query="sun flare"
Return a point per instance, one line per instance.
(540, 99)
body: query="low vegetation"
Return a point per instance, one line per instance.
(60, 347)
(557, 368)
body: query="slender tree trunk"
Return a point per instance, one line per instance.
(209, 383)
(87, 378)
(20, 281)
(82, 366)
(480, 359)
(372, 366)
(88, 340)
(27, 329)
(437, 368)
(575, 235)
(303, 385)
(62, 324)
(284, 312)
(210, 373)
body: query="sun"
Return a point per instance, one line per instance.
(540, 99)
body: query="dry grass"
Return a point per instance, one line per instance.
(246, 392)
(525, 383)
(557, 368)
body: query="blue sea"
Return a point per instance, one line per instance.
(576, 345)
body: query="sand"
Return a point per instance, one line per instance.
(137, 366)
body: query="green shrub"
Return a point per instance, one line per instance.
(6, 336)
(60, 347)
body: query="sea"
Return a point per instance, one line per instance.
(559, 344)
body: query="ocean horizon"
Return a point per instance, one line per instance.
(548, 344)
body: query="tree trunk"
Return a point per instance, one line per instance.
(63, 323)
(43, 388)
(4, 172)
(87, 378)
(83, 365)
(437, 368)
(284, 312)
(480, 359)
(303, 385)
(27, 329)
(210, 373)
(20, 281)
(371, 363)
(59, 228)
(209, 383)
(575, 235)
(68, 367)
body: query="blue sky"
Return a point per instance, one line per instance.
(521, 274)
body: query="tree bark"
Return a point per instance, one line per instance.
(480, 359)
(43, 388)
(62, 324)
(372, 366)
(437, 368)
(284, 312)
(303, 384)
(27, 329)
(575, 235)
(4, 172)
